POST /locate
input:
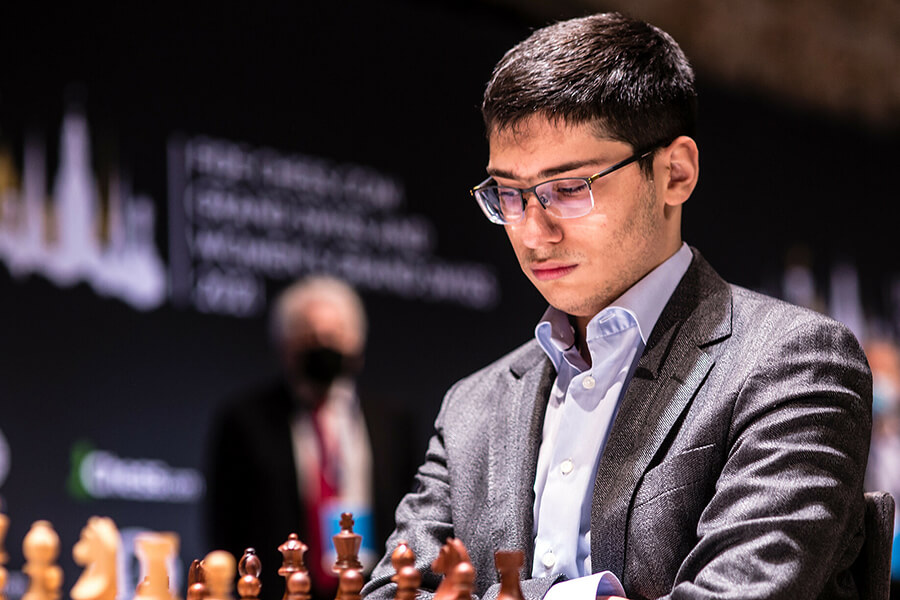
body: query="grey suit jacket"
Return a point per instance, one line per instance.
(733, 468)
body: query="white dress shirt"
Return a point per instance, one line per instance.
(580, 412)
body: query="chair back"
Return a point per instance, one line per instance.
(872, 569)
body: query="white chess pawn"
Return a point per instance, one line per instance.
(41, 547)
(219, 568)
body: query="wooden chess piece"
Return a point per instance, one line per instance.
(508, 564)
(196, 582)
(350, 584)
(249, 568)
(4, 557)
(402, 556)
(41, 547)
(463, 580)
(298, 586)
(97, 550)
(406, 575)
(459, 575)
(154, 549)
(292, 551)
(346, 545)
(219, 570)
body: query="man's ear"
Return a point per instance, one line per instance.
(680, 164)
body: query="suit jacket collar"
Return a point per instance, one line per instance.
(669, 373)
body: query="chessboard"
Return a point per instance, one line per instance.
(213, 577)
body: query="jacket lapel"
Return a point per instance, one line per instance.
(668, 375)
(515, 441)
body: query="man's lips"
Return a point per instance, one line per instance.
(550, 271)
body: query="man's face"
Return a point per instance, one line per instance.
(322, 341)
(580, 265)
(323, 323)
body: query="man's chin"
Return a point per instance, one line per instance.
(558, 294)
(573, 305)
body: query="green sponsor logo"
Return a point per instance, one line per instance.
(100, 474)
(75, 484)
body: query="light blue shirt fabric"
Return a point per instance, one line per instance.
(581, 409)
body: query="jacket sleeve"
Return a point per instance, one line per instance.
(424, 518)
(785, 517)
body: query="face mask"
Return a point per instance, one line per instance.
(322, 365)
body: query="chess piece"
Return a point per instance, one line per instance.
(154, 550)
(462, 579)
(97, 551)
(459, 575)
(219, 570)
(298, 586)
(508, 564)
(4, 526)
(196, 581)
(249, 568)
(292, 551)
(407, 576)
(351, 583)
(347, 544)
(41, 547)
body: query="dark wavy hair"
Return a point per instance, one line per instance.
(627, 77)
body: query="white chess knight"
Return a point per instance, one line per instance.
(97, 550)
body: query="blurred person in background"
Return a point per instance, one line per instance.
(883, 472)
(293, 456)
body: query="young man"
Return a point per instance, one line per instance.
(695, 439)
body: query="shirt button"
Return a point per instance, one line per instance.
(567, 466)
(588, 383)
(548, 559)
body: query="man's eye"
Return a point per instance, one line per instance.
(507, 193)
(570, 188)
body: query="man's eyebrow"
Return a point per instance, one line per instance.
(550, 172)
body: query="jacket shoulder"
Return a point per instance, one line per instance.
(516, 362)
(476, 387)
(772, 314)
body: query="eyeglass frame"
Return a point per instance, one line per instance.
(640, 155)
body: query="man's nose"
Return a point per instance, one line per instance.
(537, 227)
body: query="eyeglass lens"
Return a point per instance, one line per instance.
(564, 198)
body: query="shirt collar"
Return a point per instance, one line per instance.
(648, 297)
(645, 300)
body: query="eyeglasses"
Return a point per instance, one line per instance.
(565, 198)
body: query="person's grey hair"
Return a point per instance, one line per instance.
(294, 298)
